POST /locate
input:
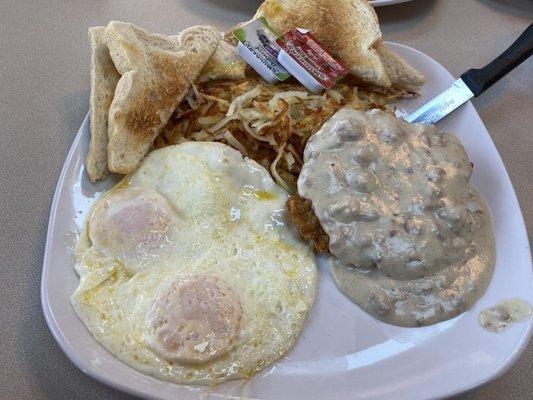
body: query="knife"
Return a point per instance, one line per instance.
(475, 81)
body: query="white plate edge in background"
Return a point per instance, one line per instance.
(381, 3)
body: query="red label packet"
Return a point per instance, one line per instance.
(311, 55)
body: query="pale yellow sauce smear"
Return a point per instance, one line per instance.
(504, 314)
(265, 196)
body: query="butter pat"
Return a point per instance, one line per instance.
(308, 61)
(258, 47)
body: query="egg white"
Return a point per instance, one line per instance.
(216, 215)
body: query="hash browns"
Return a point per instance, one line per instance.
(268, 123)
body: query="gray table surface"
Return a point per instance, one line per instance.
(44, 89)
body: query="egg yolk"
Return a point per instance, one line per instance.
(131, 225)
(195, 321)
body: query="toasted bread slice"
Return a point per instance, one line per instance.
(401, 74)
(104, 78)
(224, 64)
(157, 72)
(348, 28)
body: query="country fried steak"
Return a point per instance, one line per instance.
(305, 219)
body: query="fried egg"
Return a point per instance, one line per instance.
(188, 270)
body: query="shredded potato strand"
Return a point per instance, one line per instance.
(268, 123)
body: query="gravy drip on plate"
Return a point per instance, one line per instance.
(411, 239)
(504, 314)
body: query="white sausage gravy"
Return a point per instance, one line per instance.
(411, 240)
(504, 314)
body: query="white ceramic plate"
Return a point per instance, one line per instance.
(343, 353)
(379, 3)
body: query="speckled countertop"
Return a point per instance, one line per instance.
(44, 89)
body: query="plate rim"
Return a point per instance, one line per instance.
(53, 326)
(69, 351)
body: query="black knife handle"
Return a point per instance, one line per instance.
(479, 80)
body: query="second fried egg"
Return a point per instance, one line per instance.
(188, 271)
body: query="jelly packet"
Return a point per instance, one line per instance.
(308, 61)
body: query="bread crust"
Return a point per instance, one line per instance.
(402, 75)
(104, 78)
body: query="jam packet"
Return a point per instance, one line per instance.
(308, 61)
